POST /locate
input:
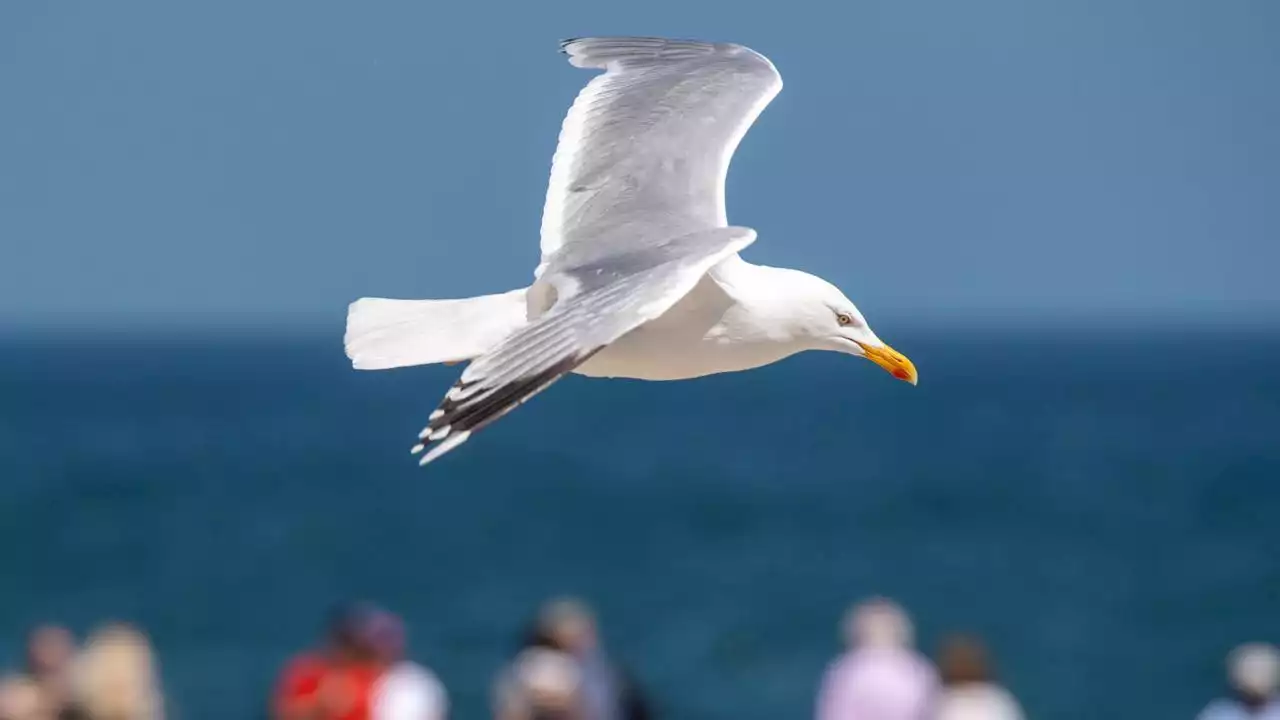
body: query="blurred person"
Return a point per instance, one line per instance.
(49, 652)
(1253, 671)
(608, 691)
(969, 690)
(405, 690)
(881, 676)
(541, 684)
(114, 677)
(335, 681)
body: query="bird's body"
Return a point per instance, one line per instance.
(640, 275)
(719, 327)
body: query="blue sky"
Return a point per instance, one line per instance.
(251, 162)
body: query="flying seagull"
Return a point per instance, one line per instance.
(640, 275)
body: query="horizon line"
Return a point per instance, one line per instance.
(223, 322)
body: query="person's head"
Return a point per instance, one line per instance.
(536, 636)
(569, 624)
(385, 635)
(963, 659)
(49, 650)
(878, 623)
(1254, 672)
(348, 630)
(114, 676)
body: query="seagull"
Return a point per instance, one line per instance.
(640, 274)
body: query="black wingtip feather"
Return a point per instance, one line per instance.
(472, 414)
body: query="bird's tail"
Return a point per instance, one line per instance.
(383, 333)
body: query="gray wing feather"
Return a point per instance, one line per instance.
(644, 151)
(610, 300)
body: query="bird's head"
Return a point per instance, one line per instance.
(827, 320)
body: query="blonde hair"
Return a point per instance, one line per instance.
(114, 676)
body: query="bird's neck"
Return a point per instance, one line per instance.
(761, 313)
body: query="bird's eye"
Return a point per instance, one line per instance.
(844, 319)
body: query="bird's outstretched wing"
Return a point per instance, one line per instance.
(648, 142)
(598, 302)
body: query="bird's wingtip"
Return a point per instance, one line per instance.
(447, 444)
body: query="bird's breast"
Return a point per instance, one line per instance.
(688, 341)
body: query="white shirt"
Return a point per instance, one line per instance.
(978, 701)
(408, 691)
(882, 683)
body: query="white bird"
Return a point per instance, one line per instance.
(640, 275)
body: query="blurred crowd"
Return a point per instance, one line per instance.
(359, 672)
(112, 675)
(882, 675)
(559, 670)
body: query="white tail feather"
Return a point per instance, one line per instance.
(384, 333)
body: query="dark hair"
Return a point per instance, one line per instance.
(964, 659)
(537, 636)
(346, 622)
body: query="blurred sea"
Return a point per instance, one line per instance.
(1103, 507)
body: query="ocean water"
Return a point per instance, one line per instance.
(1102, 507)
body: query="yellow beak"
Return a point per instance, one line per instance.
(894, 362)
